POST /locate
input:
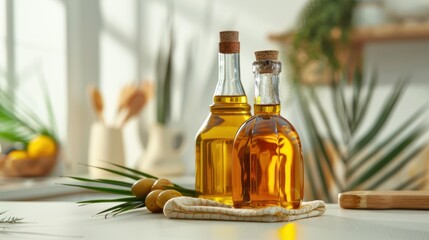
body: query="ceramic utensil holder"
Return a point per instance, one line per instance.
(105, 145)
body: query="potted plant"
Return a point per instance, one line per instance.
(358, 158)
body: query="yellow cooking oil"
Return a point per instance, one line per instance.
(214, 143)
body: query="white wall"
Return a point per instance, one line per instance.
(197, 23)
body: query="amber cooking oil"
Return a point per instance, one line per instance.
(267, 167)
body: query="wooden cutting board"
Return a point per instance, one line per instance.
(384, 200)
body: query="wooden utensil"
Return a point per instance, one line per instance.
(384, 200)
(96, 101)
(125, 95)
(132, 100)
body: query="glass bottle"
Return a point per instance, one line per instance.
(267, 168)
(227, 113)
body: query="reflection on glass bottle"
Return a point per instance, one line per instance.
(267, 167)
(215, 137)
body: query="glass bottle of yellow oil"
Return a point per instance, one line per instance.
(267, 168)
(227, 113)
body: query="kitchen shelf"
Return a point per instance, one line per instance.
(359, 37)
(362, 35)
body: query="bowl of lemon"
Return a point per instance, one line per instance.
(37, 159)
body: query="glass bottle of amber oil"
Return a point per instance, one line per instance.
(227, 113)
(267, 168)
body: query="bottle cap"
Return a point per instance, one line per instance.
(229, 42)
(267, 62)
(267, 55)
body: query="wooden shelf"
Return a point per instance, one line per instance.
(359, 37)
(362, 35)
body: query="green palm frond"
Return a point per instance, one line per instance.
(19, 123)
(119, 187)
(368, 161)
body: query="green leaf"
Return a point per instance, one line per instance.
(128, 199)
(385, 143)
(357, 87)
(386, 159)
(412, 180)
(397, 168)
(129, 208)
(306, 113)
(119, 206)
(101, 189)
(12, 136)
(362, 108)
(133, 170)
(339, 114)
(343, 107)
(164, 79)
(116, 172)
(319, 144)
(381, 119)
(145, 174)
(311, 180)
(103, 181)
(326, 122)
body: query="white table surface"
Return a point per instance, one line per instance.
(66, 220)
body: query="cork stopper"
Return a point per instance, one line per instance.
(229, 42)
(229, 36)
(267, 55)
(267, 62)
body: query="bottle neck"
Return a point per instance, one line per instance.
(266, 99)
(229, 82)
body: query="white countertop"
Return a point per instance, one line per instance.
(49, 188)
(66, 220)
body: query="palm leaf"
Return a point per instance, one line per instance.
(319, 144)
(129, 203)
(134, 177)
(127, 199)
(406, 184)
(350, 115)
(311, 180)
(357, 89)
(103, 181)
(389, 139)
(397, 168)
(143, 174)
(344, 109)
(381, 119)
(325, 120)
(101, 189)
(119, 206)
(362, 108)
(314, 143)
(133, 170)
(339, 114)
(386, 159)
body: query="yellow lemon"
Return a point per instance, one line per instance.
(18, 154)
(41, 146)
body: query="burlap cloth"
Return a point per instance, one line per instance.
(203, 209)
